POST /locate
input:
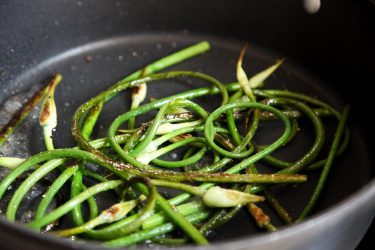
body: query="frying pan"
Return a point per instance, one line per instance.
(329, 54)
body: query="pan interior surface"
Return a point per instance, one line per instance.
(95, 66)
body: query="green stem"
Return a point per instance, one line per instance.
(327, 166)
(75, 189)
(182, 222)
(181, 186)
(53, 190)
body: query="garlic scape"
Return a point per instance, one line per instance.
(112, 214)
(138, 96)
(48, 114)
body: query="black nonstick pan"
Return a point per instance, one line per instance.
(93, 44)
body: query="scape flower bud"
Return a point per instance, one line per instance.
(221, 197)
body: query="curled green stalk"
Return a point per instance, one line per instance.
(250, 160)
(327, 166)
(181, 163)
(210, 131)
(77, 185)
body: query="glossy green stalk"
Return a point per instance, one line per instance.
(182, 163)
(76, 188)
(91, 119)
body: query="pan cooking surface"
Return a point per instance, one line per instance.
(93, 67)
